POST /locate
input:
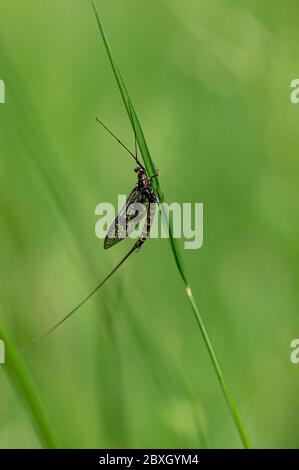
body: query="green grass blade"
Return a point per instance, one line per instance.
(23, 384)
(150, 167)
(130, 109)
(219, 372)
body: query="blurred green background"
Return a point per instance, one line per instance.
(210, 80)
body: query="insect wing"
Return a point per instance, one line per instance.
(126, 220)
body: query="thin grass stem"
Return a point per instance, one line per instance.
(150, 167)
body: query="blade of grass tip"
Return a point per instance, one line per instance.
(151, 170)
(127, 102)
(22, 382)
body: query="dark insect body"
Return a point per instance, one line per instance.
(142, 193)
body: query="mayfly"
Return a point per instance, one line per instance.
(143, 193)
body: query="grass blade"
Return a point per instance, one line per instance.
(150, 167)
(22, 382)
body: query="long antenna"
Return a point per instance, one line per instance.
(120, 142)
(66, 317)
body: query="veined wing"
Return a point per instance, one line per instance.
(121, 226)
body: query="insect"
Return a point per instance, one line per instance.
(142, 193)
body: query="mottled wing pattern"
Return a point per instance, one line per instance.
(121, 227)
